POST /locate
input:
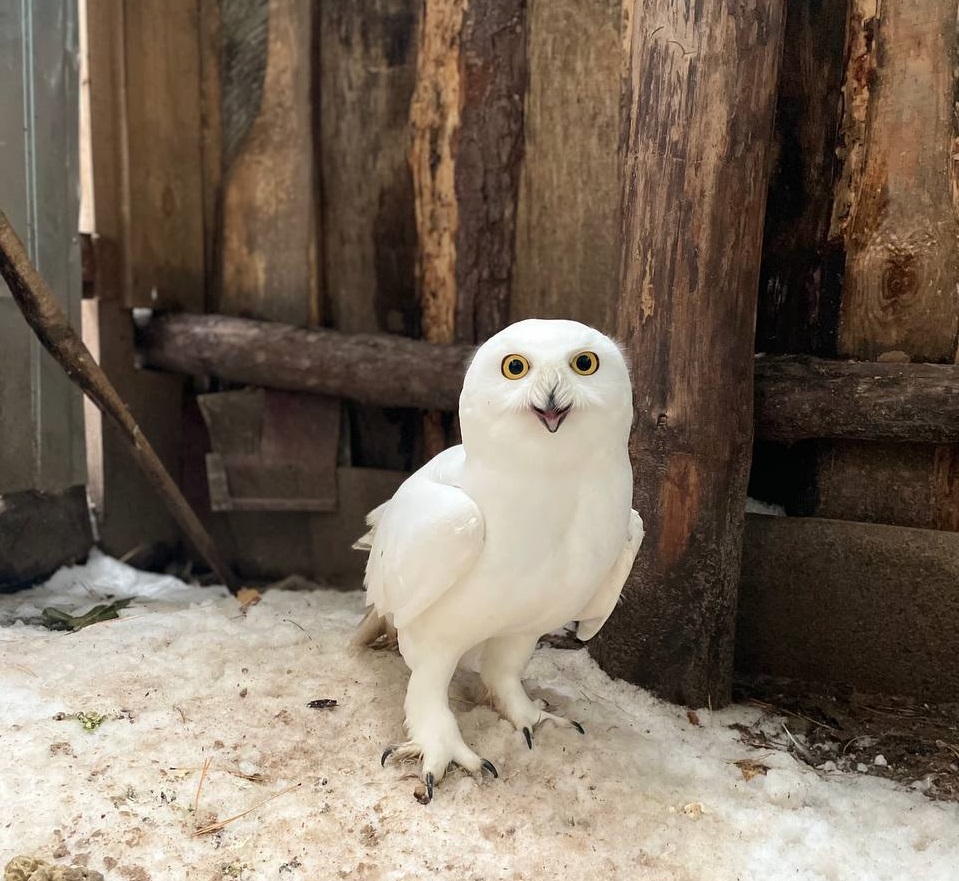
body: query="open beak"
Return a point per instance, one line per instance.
(552, 416)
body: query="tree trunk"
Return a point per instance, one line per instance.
(700, 89)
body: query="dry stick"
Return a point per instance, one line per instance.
(214, 827)
(52, 328)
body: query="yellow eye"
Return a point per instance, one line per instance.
(515, 367)
(585, 363)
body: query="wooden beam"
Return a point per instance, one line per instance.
(860, 604)
(799, 398)
(389, 371)
(795, 397)
(698, 112)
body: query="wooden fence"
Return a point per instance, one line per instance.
(416, 169)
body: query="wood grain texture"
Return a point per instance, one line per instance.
(895, 213)
(896, 209)
(567, 256)
(799, 397)
(826, 601)
(902, 484)
(697, 126)
(488, 150)
(161, 114)
(269, 214)
(381, 369)
(435, 122)
(367, 70)
(801, 272)
(130, 514)
(368, 66)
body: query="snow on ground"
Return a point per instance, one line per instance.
(183, 679)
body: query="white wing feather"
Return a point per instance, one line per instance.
(600, 607)
(422, 541)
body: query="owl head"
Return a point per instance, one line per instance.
(546, 388)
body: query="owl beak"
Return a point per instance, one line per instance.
(551, 414)
(552, 417)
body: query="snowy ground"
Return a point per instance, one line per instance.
(185, 680)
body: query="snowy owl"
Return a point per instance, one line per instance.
(522, 528)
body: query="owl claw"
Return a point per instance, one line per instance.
(529, 737)
(429, 787)
(487, 765)
(577, 726)
(386, 754)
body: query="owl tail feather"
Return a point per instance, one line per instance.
(375, 631)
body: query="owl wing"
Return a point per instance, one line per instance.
(422, 540)
(600, 607)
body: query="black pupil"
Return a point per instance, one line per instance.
(584, 362)
(515, 367)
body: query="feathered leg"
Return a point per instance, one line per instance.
(504, 659)
(435, 736)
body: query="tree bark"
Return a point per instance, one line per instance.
(700, 89)
(467, 138)
(799, 398)
(381, 369)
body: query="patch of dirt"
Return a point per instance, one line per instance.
(839, 730)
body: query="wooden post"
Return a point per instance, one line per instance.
(700, 87)
(467, 122)
(895, 214)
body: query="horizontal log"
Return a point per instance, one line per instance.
(389, 371)
(800, 397)
(861, 604)
(796, 397)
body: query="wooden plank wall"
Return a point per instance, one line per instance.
(860, 257)
(148, 235)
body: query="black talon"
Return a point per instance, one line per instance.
(529, 737)
(386, 754)
(578, 727)
(429, 786)
(489, 766)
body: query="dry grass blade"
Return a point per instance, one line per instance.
(199, 786)
(214, 827)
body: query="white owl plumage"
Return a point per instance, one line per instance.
(523, 527)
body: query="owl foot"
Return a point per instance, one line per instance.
(556, 720)
(435, 762)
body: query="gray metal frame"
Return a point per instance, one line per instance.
(41, 415)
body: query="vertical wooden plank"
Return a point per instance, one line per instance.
(367, 73)
(162, 121)
(269, 213)
(698, 112)
(895, 205)
(136, 157)
(567, 257)
(367, 58)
